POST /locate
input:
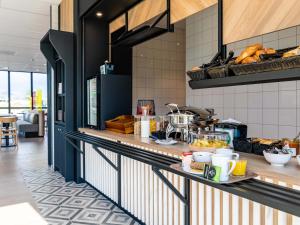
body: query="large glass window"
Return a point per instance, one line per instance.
(21, 91)
(20, 87)
(39, 91)
(3, 92)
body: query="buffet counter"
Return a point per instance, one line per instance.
(152, 200)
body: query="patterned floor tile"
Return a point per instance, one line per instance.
(45, 209)
(57, 183)
(62, 203)
(91, 216)
(46, 189)
(73, 184)
(38, 196)
(40, 181)
(67, 191)
(54, 200)
(78, 202)
(88, 193)
(102, 204)
(58, 222)
(116, 218)
(64, 213)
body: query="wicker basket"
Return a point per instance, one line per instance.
(218, 71)
(266, 66)
(200, 74)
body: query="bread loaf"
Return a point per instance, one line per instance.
(270, 50)
(249, 51)
(248, 60)
(260, 52)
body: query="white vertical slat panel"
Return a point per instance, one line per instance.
(194, 202)
(151, 199)
(98, 171)
(282, 216)
(165, 200)
(235, 210)
(160, 202)
(216, 206)
(155, 199)
(208, 205)
(225, 208)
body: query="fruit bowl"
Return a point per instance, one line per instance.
(277, 159)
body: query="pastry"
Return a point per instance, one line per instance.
(249, 51)
(248, 60)
(270, 50)
(197, 165)
(260, 52)
(195, 68)
(288, 54)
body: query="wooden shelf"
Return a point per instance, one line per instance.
(265, 77)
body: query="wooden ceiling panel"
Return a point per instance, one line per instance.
(182, 9)
(250, 18)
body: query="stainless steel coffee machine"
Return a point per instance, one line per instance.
(183, 120)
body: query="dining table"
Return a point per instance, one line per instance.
(6, 126)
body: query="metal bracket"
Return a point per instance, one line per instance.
(105, 158)
(73, 145)
(170, 185)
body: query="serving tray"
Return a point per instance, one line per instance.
(232, 179)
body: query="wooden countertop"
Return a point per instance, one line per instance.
(289, 174)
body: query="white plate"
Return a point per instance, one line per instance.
(166, 142)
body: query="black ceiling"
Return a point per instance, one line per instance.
(111, 9)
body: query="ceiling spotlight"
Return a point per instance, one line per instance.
(99, 14)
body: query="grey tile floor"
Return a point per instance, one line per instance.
(62, 203)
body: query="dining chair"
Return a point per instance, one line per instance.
(8, 129)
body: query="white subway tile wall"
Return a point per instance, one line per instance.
(159, 71)
(270, 110)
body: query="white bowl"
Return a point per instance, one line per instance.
(298, 159)
(277, 159)
(204, 157)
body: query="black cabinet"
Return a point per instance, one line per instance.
(59, 149)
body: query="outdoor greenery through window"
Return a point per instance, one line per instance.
(21, 91)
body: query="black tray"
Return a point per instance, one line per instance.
(232, 179)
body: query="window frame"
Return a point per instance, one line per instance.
(31, 91)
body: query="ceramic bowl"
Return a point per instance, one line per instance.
(204, 157)
(277, 159)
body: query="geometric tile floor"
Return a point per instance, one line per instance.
(62, 203)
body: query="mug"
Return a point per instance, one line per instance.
(223, 161)
(227, 151)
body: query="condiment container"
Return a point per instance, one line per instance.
(137, 125)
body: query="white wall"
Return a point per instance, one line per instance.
(270, 110)
(159, 70)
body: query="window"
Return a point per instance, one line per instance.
(39, 90)
(21, 91)
(3, 92)
(20, 87)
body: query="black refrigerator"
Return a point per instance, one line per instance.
(108, 96)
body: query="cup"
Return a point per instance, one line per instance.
(227, 151)
(240, 168)
(223, 161)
